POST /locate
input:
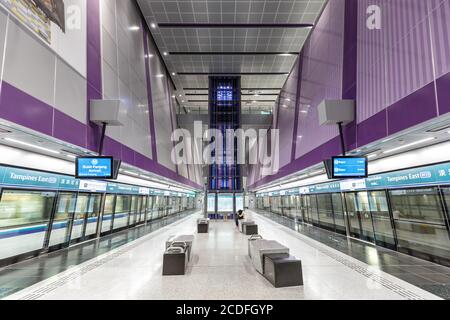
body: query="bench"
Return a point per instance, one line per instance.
(283, 270)
(202, 225)
(261, 247)
(175, 261)
(175, 241)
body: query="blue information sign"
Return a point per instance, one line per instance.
(94, 167)
(349, 167)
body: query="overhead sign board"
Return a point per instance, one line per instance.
(349, 167)
(94, 167)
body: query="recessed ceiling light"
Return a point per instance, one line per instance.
(408, 145)
(304, 111)
(173, 73)
(32, 146)
(174, 96)
(134, 28)
(165, 53)
(160, 76)
(153, 25)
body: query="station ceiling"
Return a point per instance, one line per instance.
(256, 39)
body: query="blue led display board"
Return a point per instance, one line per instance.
(94, 167)
(349, 167)
(225, 93)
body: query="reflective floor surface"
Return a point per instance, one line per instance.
(220, 269)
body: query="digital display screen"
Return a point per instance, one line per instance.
(94, 167)
(225, 93)
(350, 167)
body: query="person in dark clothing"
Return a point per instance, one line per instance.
(239, 216)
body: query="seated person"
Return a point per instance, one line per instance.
(239, 216)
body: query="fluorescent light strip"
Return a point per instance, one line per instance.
(32, 146)
(408, 145)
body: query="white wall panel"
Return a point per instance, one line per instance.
(70, 92)
(29, 64)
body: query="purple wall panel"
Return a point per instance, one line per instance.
(68, 129)
(321, 77)
(372, 129)
(395, 61)
(19, 107)
(405, 114)
(442, 86)
(440, 32)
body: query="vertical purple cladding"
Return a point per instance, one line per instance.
(399, 74)
(149, 93)
(94, 69)
(349, 74)
(297, 106)
(287, 108)
(321, 78)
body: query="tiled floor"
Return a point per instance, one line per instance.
(220, 269)
(28, 273)
(426, 275)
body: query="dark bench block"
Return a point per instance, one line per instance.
(283, 270)
(174, 264)
(250, 229)
(202, 228)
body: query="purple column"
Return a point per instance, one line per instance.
(149, 92)
(94, 69)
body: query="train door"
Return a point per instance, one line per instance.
(142, 209)
(382, 222)
(60, 231)
(304, 208)
(93, 216)
(79, 217)
(161, 206)
(108, 214)
(134, 211)
(359, 216)
(168, 206)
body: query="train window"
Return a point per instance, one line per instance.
(420, 205)
(24, 217)
(419, 222)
